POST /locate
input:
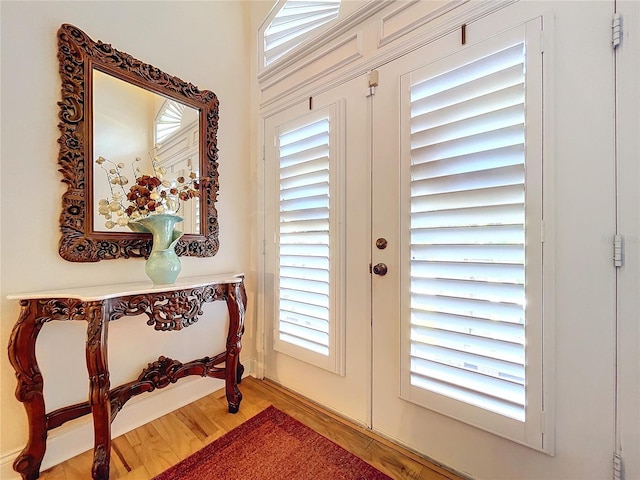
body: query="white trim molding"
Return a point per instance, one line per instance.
(375, 34)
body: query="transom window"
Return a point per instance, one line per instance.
(295, 22)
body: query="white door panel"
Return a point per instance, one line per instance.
(460, 173)
(341, 384)
(399, 415)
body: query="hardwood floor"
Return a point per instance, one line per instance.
(154, 447)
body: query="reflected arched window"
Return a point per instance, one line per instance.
(168, 120)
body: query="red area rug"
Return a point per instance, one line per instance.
(272, 446)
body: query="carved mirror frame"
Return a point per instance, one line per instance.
(78, 56)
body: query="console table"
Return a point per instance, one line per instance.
(168, 307)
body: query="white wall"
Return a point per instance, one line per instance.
(201, 42)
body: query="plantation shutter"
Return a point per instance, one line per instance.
(168, 120)
(303, 237)
(467, 232)
(294, 23)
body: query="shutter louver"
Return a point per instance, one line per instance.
(294, 23)
(467, 238)
(169, 119)
(304, 267)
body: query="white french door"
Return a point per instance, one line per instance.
(317, 255)
(435, 322)
(465, 195)
(461, 179)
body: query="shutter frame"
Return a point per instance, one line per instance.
(309, 239)
(449, 162)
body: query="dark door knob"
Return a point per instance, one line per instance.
(381, 243)
(380, 269)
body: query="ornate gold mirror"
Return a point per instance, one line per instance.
(119, 108)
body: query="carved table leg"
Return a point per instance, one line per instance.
(240, 372)
(98, 368)
(22, 356)
(236, 303)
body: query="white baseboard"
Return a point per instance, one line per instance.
(76, 436)
(6, 466)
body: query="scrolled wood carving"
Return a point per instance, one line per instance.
(61, 309)
(169, 311)
(34, 314)
(162, 373)
(78, 55)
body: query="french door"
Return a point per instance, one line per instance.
(440, 298)
(466, 192)
(317, 251)
(455, 185)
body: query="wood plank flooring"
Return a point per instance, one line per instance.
(154, 447)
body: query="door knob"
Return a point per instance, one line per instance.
(381, 243)
(380, 269)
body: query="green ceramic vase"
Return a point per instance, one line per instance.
(163, 264)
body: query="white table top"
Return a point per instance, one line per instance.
(103, 292)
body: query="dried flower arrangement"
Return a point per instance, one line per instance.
(149, 195)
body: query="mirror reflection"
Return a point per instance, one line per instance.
(138, 132)
(177, 129)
